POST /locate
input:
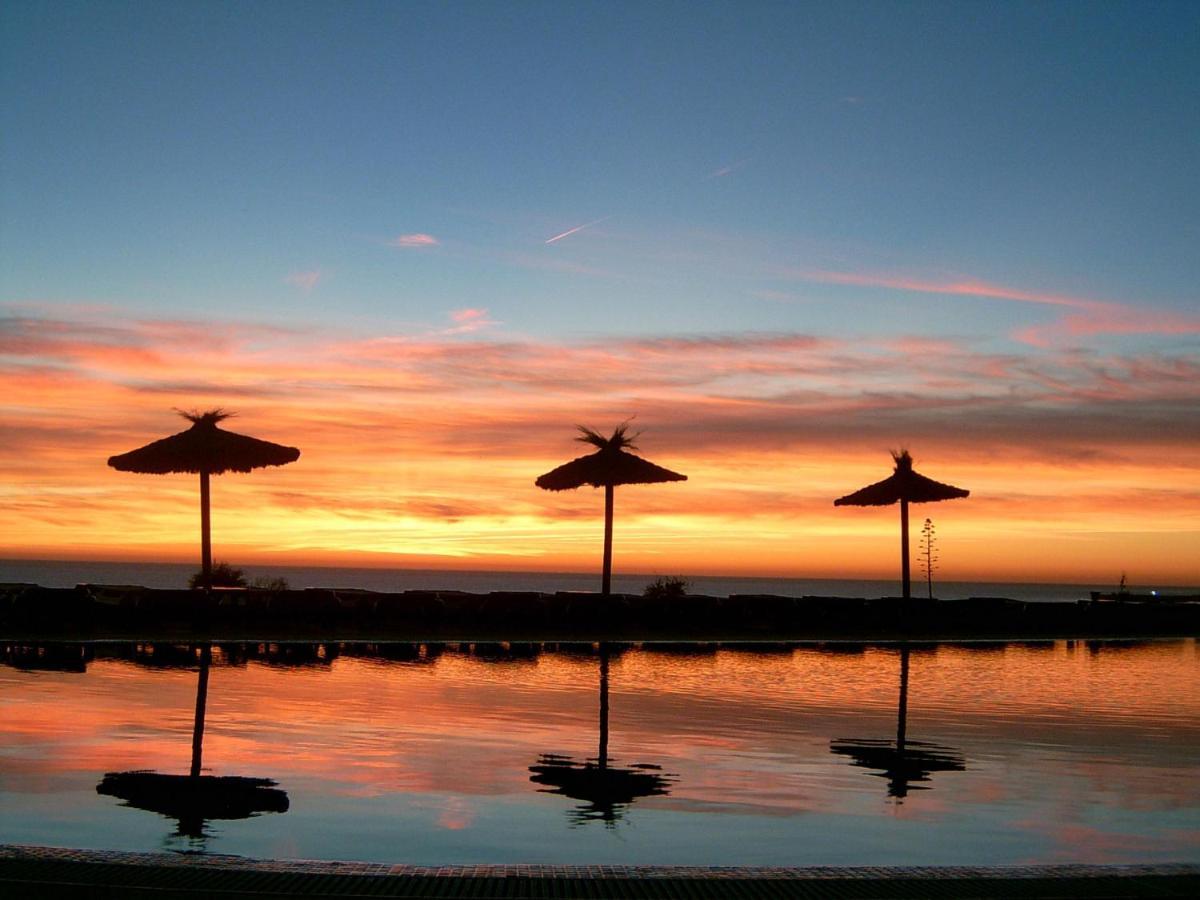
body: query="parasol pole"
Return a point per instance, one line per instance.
(201, 702)
(902, 719)
(904, 546)
(205, 536)
(603, 706)
(606, 582)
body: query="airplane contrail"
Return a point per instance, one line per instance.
(571, 231)
(726, 170)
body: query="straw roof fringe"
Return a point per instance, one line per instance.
(204, 448)
(610, 464)
(903, 484)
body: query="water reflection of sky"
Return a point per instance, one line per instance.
(1071, 752)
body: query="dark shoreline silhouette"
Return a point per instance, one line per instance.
(121, 611)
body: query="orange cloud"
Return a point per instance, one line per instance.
(422, 447)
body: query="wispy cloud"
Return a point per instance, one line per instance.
(469, 321)
(1091, 316)
(726, 170)
(966, 287)
(575, 230)
(416, 241)
(306, 281)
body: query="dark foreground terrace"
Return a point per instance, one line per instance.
(46, 872)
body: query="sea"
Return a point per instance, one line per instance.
(68, 573)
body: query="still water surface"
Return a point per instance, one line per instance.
(797, 755)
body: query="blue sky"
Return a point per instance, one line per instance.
(787, 237)
(194, 157)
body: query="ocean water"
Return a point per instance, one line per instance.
(60, 573)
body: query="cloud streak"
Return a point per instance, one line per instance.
(575, 230)
(469, 321)
(306, 281)
(726, 170)
(414, 241)
(1091, 316)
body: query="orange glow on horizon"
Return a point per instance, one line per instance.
(423, 451)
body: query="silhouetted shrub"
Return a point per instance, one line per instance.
(665, 587)
(223, 575)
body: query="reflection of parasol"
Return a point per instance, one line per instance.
(193, 798)
(609, 466)
(605, 788)
(903, 486)
(208, 450)
(904, 762)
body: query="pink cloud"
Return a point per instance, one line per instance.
(1116, 321)
(415, 241)
(306, 281)
(969, 287)
(1094, 317)
(741, 390)
(469, 320)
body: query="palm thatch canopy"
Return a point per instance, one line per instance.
(204, 448)
(609, 465)
(903, 484)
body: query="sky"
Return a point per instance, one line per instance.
(422, 242)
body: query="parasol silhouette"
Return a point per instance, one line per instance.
(605, 789)
(193, 799)
(208, 450)
(903, 486)
(609, 466)
(905, 762)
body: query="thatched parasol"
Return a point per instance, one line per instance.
(208, 450)
(609, 466)
(904, 486)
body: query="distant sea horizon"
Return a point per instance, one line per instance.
(68, 573)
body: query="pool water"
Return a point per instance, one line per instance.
(834, 754)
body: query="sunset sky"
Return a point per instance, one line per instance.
(422, 242)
